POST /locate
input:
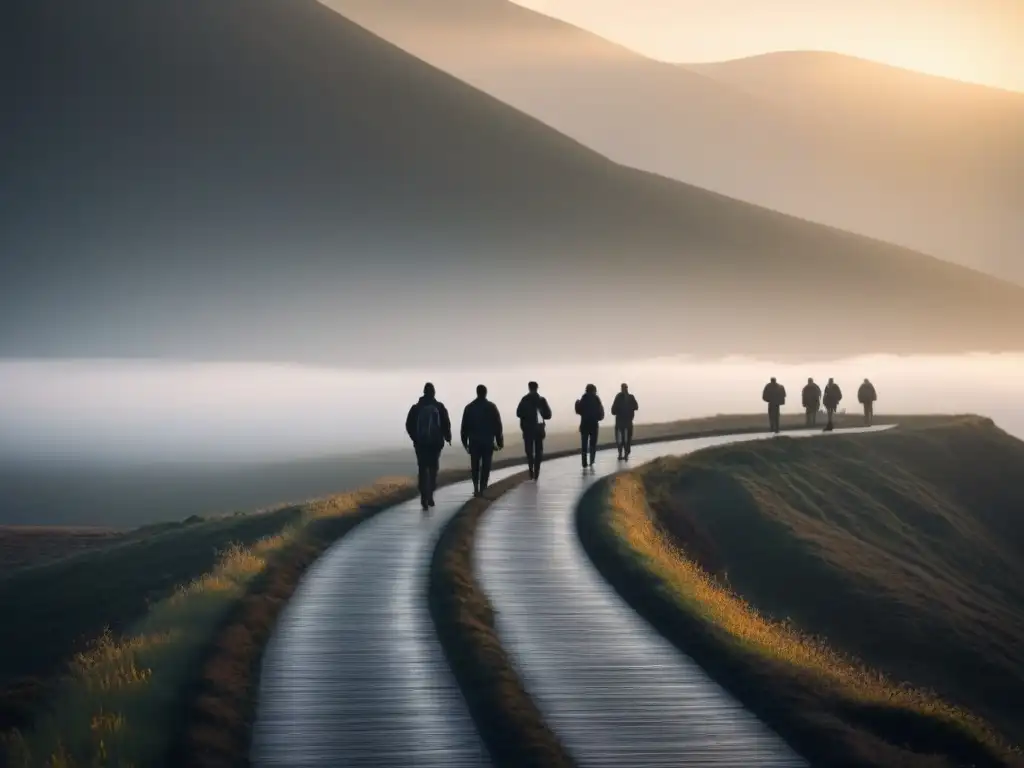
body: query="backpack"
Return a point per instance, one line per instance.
(428, 424)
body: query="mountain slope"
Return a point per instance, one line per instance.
(928, 163)
(261, 180)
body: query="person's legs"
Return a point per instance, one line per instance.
(829, 411)
(593, 444)
(809, 418)
(869, 413)
(434, 466)
(486, 456)
(629, 438)
(620, 438)
(584, 436)
(773, 418)
(422, 466)
(475, 456)
(531, 457)
(538, 455)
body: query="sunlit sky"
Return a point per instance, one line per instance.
(974, 40)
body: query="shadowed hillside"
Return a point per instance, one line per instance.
(904, 549)
(922, 161)
(255, 180)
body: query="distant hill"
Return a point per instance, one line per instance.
(266, 180)
(932, 164)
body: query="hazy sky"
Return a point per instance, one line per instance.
(974, 40)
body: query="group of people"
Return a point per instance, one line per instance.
(813, 398)
(429, 426)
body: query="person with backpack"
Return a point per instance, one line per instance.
(429, 428)
(775, 395)
(624, 408)
(812, 402)
(831, 398)
(481, 435)
(866, 396)
(533, 412)
(591, 413)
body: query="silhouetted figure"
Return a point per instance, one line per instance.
(866, 396)
(812, 402)
(624, 407)
(532, 412)
(591, 413)
(775, 395)
(481, 434)
(429, 428)
(831, 399)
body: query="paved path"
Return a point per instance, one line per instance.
(615, 691)
(354, 674)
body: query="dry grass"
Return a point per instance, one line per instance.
(508, 720)
(120, 702)
(242, 570)
(835, 708)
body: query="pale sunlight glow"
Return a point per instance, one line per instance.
(978, 41)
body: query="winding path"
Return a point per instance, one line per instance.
(615, 691)
(354, 674)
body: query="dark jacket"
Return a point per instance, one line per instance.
(833, 394)
(866, 393)
(590, 410)
(527, 411)
(624, 407)
(481, 424)
(774, 394)
(446, 423)
(812, 397)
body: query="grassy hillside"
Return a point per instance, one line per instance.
(252, 179)
(921, 161)
(817, 577)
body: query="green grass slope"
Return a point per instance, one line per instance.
(902, 550)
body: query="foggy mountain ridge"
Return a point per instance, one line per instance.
(926, 162)
(268, 181)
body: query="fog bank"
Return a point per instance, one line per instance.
(154, 411)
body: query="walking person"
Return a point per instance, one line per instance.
(831, 398)
(866, 396)
(481, 435)
(533, 412)
(429, 427)
(624, 408)
(591, 413)
(812, 402)
(775, 395)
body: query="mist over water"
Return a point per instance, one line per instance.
(152, 411)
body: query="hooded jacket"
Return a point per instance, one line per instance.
(590, 410)
(446, 423)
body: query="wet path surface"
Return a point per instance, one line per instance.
(612, 688)
(354, 674)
